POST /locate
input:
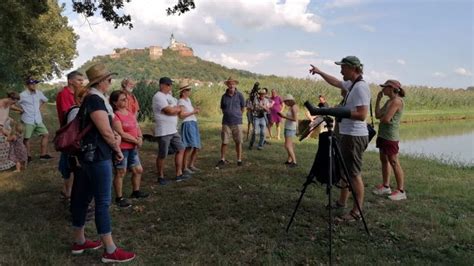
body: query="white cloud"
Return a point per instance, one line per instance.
(462, 71)
(237, 60)
(343, 3)
(367, 28)
(439, 74)
(401, 61)
(300, 53)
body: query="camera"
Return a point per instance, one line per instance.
(88, 152)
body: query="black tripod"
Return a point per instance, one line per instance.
(334, 159)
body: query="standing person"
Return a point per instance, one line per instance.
(322, 102)
(388, 137)
(128, 85)
(64, 101)
(166, 112)
(31, 101)
(18, 153)
(291, 121)
(353, 131)
(276, 108)
(260, 108)
(189, 129)
(126, 125)
(5, 105)
(99, 149)
(232, 106)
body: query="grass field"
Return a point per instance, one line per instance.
(238, 215)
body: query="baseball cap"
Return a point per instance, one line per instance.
(166, 80)
(350, 60)
(31, 80)
(392, 83)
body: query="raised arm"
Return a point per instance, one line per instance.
(328, 78)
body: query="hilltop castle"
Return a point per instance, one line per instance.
(156, 51)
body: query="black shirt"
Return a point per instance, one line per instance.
(103, 151)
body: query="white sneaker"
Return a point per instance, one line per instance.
(188, 171)
(398, 195)
(381, 190)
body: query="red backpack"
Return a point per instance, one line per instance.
(68, 138)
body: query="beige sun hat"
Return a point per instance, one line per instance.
(97, 73)
(288, 97)
(184, 86)
(230, 79)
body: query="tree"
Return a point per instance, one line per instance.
(36, 40)
(109, 10)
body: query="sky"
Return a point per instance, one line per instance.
(418, 42)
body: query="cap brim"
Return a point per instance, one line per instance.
(338, 63)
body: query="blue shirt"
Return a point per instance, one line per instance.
(31, 102)
(232, 108)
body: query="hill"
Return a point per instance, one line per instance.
(140, 66)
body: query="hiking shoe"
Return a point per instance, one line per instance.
(220, 164)
(162, 181)
(240, 163)
(194, 169)
(180, 178)
(123, 202)
(46, 157)
(259, 148)
(79, 249)
(188, 171)
(119, 255)
(398, 195)
(292, 165)
(382, 190)
(287, 163)
(139, 195)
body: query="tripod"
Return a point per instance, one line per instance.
(334, 158)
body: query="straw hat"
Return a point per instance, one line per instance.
(288, 97)
(230, 79)
(183, 86)
(97, 73)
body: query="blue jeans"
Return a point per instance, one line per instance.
(93, 180)
(260, 124)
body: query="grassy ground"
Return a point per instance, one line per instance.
(238, 215)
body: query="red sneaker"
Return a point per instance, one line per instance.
(78, 249)
(119, 255)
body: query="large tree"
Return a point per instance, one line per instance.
(35, 39)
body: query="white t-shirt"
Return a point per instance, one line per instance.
(164, 124)
(358, 96)
(188, 108)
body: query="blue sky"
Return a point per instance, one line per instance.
(418, 42)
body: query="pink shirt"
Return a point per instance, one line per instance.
(129, 125)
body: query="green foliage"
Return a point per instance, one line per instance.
(36, 40)
(144, 92)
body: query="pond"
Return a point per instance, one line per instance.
(450, 142)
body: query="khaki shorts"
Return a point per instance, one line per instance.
(352, 149)
(234, 131)
(35, 130)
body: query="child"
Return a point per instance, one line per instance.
(18, 153)
(291, 119)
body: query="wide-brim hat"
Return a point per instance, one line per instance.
(183, 87)
(262, 91)
(229, 80)
(288, 97)
(392, 83)
(96, 73)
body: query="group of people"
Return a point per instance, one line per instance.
(15, 148)
(111, 147)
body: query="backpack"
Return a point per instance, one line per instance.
(320, 168)
(68, 138)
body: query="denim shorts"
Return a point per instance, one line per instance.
(289, 132)
(130, 159)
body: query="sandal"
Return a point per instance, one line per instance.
(348, 217)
